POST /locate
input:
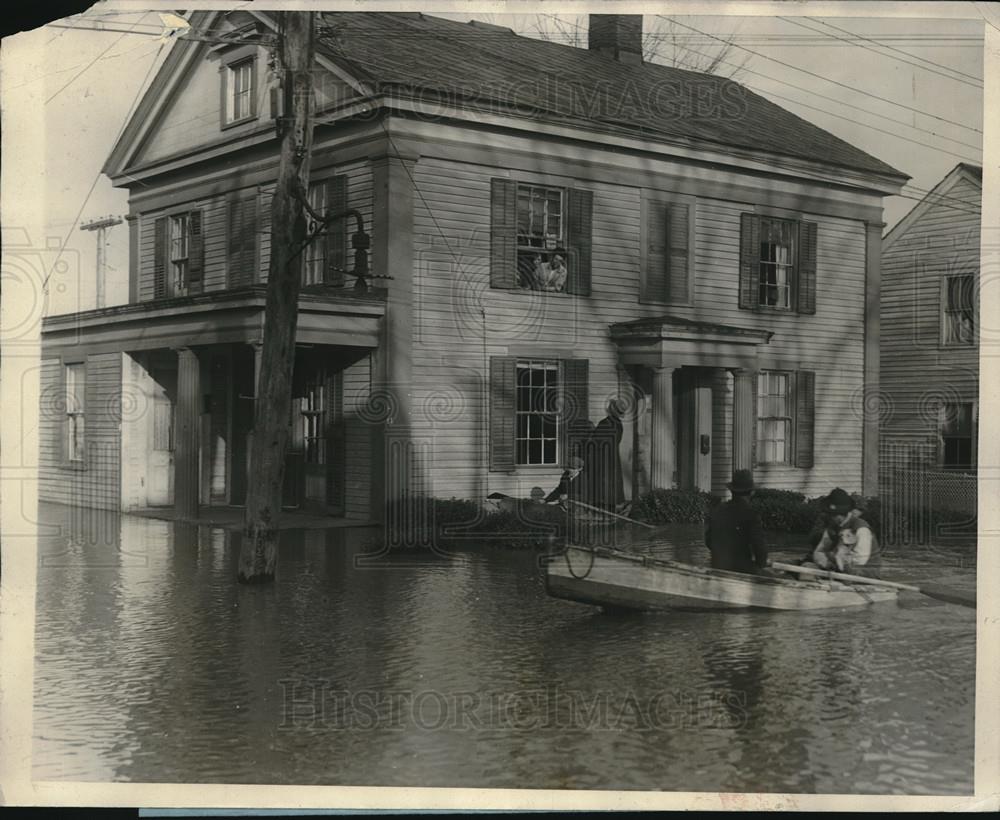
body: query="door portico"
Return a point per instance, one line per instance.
(673, 352)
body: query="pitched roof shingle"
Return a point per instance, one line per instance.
(483, 65)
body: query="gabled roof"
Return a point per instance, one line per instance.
(962, 171)
(476, 65)
(487, 64)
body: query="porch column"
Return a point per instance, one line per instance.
(744, 418)
(187, 434)
(662, 438)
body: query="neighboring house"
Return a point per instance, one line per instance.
(929, 326)
(551, 227)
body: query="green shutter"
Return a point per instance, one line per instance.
(807, 268)
(805, 417)
(678, 264)
(579, 240)
(503, 407)
(336, 232)
(749, 261)
(196, 253)
(503, 233)
(160, 258)
(574, 377)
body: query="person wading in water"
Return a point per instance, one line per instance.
(734, 534)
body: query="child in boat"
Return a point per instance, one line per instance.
(848, 544)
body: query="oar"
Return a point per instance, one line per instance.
(613, 515)
(951, 596)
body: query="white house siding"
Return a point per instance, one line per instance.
(215, 227)
(917, 372)
(358, 440)
(451, 356)
(97, 483)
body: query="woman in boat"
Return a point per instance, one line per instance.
(848, 544)
(734, 534)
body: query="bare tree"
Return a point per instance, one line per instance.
(665, 41)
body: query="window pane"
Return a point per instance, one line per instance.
(550, 451)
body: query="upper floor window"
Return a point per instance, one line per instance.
(76, 387)
(958, 315)
(777, 264)
(240, 90)
(774, 284)
(179, 232)
(541, 258)
(540, 237)
(315, 262)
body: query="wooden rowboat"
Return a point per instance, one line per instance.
(616, 579)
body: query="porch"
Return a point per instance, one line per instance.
(673, 365)
(189, 376)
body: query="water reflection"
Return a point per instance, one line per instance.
(154, 665)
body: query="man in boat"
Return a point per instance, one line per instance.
(848, 544)
(734, 534)
(571, 486)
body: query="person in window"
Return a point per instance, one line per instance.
(733, 534)
(848, 544)
(553, 273)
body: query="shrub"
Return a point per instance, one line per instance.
(785, 510)
(672, 507)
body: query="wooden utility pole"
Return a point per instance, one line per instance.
(288, 237)
(101, 225)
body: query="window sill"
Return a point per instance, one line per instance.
(778, 311)
(237, 123)
(667, 302)
(956, 346)
(73, 466)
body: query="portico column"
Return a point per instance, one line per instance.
(187, 434)
(662, 438)
(744, 417)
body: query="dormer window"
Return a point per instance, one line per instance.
(240, 90)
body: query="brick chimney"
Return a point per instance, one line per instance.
(618, 36)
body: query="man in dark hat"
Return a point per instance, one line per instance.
(733, 533)
(848, 543)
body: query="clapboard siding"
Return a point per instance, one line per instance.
(358, 440)
(450, 356)
(215, 224)
(916, 370)
(98, 483)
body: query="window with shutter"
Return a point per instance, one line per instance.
(775, 414)
(196, 253)
(540, 237)
(665, 274)
(777, 264)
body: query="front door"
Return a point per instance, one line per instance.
(693, 394)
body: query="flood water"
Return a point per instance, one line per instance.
(154, 665)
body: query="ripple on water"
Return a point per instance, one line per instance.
(153, 665)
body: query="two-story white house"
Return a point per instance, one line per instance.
(552, 227)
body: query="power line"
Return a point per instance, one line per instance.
(97, 176)
(872, 127)
(976, 84)
(82, 70)
(880, 42)
(841, 102)
(835, 82)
